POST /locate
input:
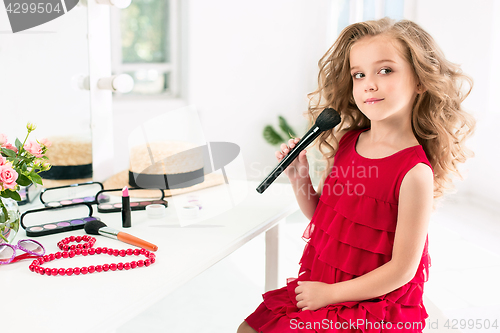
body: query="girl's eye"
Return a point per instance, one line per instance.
(357, 75)
(385, 70)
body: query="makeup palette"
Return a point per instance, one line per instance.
(53, 220)
(72, 194)
(137, 202)
(28, 193)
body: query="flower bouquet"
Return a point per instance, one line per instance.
(19, 166)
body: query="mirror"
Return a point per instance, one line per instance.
(41, 71)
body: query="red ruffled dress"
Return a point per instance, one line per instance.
(351, 233)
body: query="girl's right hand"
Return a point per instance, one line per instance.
(299, 168)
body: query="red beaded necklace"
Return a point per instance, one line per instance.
(69, 251)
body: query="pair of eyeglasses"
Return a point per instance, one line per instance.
(31, 247)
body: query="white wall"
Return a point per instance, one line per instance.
(469, 34)
(247, 63)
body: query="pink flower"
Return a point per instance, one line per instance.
(3, 139)
(46, 142)
(11, 147)
(8, 176)
(34, 148)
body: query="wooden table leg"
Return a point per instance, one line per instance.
(272, 257)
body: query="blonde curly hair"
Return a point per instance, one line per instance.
(438, 121)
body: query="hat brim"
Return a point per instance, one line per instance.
(120, 180)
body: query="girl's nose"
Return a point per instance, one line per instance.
(370, 85)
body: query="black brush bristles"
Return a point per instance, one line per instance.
(92, 227)
(327, 119)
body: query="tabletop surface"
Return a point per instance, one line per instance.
(100, 302)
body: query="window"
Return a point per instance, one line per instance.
(145, 46)
(351, 11)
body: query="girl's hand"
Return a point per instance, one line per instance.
(312, 295)
(299, 168)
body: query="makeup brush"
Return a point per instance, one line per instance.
(100, 228)
(327, 119)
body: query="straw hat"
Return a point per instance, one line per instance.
(71, 160)
(173, 166)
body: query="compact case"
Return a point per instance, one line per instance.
(114, 207)
(71, 194)
(53, 220)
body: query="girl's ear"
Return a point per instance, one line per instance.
(420, 88)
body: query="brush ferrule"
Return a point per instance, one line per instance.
(108, 232)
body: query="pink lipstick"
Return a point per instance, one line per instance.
(126, 218)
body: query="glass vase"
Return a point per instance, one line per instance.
(9, 225)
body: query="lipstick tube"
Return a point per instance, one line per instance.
(126, 217)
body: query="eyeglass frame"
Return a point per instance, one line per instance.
(28, 254)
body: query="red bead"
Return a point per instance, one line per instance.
(71, 254)
(137, 252)
(72, 247)
(126, 266)
(98, 250)
(91, 269)
(152, 260)
(140, 263)
(78, 251)
(146, 254)
(143, 251)
(151, 255)
(65, 247)
(84, 270)
(130, 252)
(122, 253)
(119, 266)
(85, 252)
(91, 251)
(46, 258)
(85, 238)
(41, 270)
(98, 268)
(116, 253)
(105, 267)
(133, 264)
(48, 271)
(69, 272)
(112, 267)
(62, 271)
(41, 260)
(65, 254)
(72, 238)
(55, 271)
(58, 255)
(79, 246)
(78, 239)
(52, 256)
(104, 250)
(76, 270)
(147, 262)
(32, 268)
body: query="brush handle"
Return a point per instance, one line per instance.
(309, 137)
(132, 240)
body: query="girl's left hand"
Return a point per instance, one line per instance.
(312, 295)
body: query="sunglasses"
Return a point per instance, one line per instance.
(31, 247)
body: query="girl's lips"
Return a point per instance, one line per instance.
(373, 100)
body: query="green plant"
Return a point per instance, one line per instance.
(273, 137)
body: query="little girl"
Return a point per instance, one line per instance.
(402, 134)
